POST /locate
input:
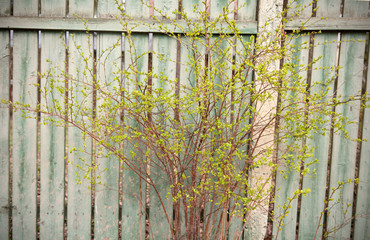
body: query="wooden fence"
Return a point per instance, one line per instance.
(39, 197)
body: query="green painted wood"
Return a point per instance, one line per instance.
(316, 24)
(4, 137)
(362, 223)
(113, 25)
(344, 150)
(287, 185)
(164, 65)
(355, 8)
(190, 7)
(107, 172)
(53, 8)
(167, 7)
(217, 7)
(81, 8)
(4, 7)
(236, 222)
(52, 142)
(79, 188)
(313, 204)
(24, 136)
(247, 10)
(302, 7)
(133, 199)
(328, 8)
(107, 9)
(26, 8)
(137, 9)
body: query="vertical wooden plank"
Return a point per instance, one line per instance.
(328, 8)
(107, 172)
(4, 7)
(356, 8)
(167, 7)
(344, 150)
(79, 185)
(247, 9)
(79, 145)
(287, 177)
(52, 137)
(191, 6)
(137, 8)
(218, 6)
(302, 7)
(25, 8)
(4, 136)
(163, 47)
(313, 204)
(51, 8)
(133, 199)
(52, 140)
(107, 9)
(81, 8)
(24, 136)
(362, 223)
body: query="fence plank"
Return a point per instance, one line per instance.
(53, 8)
(81, 8)
(344, 150)
(79, 145)
(288, 184)
(4, 136)
(217, 7)
(302, 7)
(24, 136)
(167, 7)
(356, 8)
(133, 199)
(4, 7)
(312, 205)
(26, 8)
(107, 172)
(52, 142)
(328, 8)
(362, 224)
(164, 65)
(108, 9)
(247, 10)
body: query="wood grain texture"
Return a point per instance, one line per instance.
(133, 199)
(107, 9)
(167, 7)
(313, 204)
(26, 8)
(355, 8)
(107, 172)
(52, 140)
(287, 177)
(24, 136)
(81, 8)
(5, 133)
(247, 10)
(79, 145)
(362, 223)
(164, 65)
(301, 7)
(53, 8)
(344, 150)
(4, 7)
(328, 8)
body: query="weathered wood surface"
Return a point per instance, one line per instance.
(317, 23)
(24, 136)
(107, 171)
(4, 7)
(52, 140)
(5, 133)
(343, 162)
(312, 205)
(362, 222)
(79, 145)
(288, 177)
